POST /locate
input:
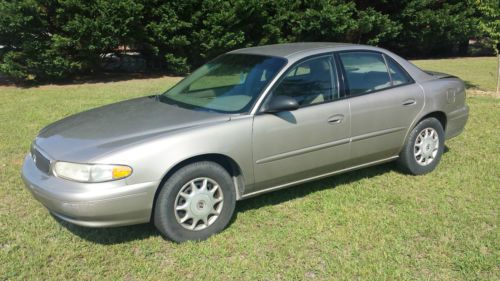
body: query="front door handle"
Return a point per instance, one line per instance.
(409, 102)
(336, 119)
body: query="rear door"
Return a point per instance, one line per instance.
(384, 101)
(309, 141)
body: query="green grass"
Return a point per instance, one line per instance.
(372, 224)
(478, 73)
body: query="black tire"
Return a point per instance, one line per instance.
(165, 216)
(407, 160)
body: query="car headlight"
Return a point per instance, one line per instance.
(90, 172)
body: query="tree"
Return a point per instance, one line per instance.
(489, 25)
(428, 27)
(55, 39)
(50, 40)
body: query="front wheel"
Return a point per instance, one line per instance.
(423, 148)
(196, 202)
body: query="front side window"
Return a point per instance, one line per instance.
(365, 72)
(229, 84)
(311, 82)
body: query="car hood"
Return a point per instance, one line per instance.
(86, 135)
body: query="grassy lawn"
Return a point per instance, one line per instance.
(478, 73)
(372, 224)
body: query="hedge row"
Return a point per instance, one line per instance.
(49, 39)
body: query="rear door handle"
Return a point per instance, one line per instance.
(409, 102)
(336, 119)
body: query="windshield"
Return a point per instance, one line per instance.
(229, 84)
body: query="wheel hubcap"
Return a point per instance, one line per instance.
(198, 204)
(426, 146)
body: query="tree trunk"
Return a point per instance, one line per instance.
(498, 73)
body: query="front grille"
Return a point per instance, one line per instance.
(41, 162)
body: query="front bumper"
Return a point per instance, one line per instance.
(91, 204)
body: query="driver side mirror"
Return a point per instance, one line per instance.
(281, 103)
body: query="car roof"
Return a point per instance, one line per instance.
(290, 49)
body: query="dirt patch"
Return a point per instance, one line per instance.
(483, 93)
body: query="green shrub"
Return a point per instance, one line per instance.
(50, 40)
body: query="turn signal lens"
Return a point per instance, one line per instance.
(120, 172)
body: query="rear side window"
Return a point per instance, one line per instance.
(365, 72)
(398, 75)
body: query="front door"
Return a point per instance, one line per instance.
(310, 141)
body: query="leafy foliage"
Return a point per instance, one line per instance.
(47, 40)
(55, 39)
(489, 26)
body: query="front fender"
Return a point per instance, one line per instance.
(153, 159)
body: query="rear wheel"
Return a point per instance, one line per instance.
(196, 202)
(423, 148)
